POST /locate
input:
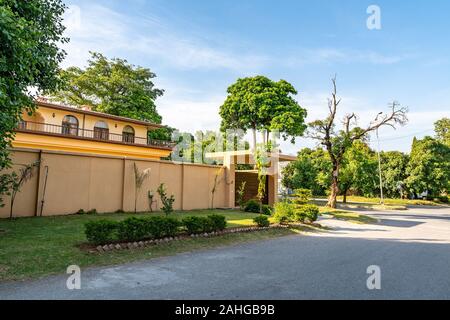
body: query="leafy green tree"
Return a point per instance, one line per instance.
(338, 142)
(429, 167)
(309, 171)
(30, 32)
(258, 103)
(442, 129)
(165, 133)
(393, 172)
(359, 171)
(111, 86)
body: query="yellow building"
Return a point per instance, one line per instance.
(67, 129)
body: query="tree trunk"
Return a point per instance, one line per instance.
(332, 200)
(345, 195)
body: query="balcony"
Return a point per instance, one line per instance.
(99, 135)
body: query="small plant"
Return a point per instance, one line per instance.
(16, 181)
(241, 194)
(266, 210)
(219, 222)
(158, 227)
(252, 206)
(81, 211)
(166, 201)
(306, 213)
(139, 179)
(262, 221)
(284, 212)
(101, 231)
(92, 211)
(119, 211)
(302, 196)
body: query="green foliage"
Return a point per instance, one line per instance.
(111, 86)
(101, 231)
(196, 225)
(306, 213)
(166, 201)
(252, 206)
(240, 195)
(266, 210)
(132, 229)
(393, 171)
(283, 212)
(164, 133)
(218, 222)
(259, 103)
(262, 221)
(310, 171)
(429, 167)
(30, 32)
(159, 227)
(442, 129)
(302, 196)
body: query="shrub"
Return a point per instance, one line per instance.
(132, 229)
(166, 201)
(302, 196)
(252, 206)
(284, 212)
(120, 211)
(218, 222)
(81, 211)
(101, 232)
(159, 227)
(307, 212)
(262, 221)
(92, 211)
(195, 225)
(266, 210)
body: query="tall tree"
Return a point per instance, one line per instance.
(442, 129)
(111, 86)
(393, 171)
(309, 171)
(258, 103)
(429, 167)
(338, 142)
(359, 171)
(30, 32)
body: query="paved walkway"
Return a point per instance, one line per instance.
(412, 248)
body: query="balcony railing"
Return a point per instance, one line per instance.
(97, 134)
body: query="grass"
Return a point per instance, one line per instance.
(34, 247)
(352, 217)
(400, 202)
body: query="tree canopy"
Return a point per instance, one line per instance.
(442, 129)
(258, 103)
(429, 167)
(30, 32)
(111, 86)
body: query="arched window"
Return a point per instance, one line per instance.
(101, 130)
(128, 134)
(70, 126)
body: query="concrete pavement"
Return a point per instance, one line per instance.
(412, 248)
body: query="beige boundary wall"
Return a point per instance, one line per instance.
(78, 181)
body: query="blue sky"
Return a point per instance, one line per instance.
(198, 48)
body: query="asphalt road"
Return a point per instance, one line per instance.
(412, 249)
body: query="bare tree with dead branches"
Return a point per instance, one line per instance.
(337, 142)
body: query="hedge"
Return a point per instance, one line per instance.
(155, 227)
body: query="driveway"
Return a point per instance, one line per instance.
(412, 249)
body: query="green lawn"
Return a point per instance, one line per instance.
(33, 247)
(402, 202)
